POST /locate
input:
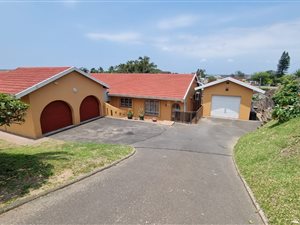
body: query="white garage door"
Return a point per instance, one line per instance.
(225, 107)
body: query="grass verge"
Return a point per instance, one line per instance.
(29, 170)
(269, 160)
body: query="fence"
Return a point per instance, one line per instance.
(188, 117)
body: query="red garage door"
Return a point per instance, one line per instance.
(56, 115)
(89, 108)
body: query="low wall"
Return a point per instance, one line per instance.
(114, 111)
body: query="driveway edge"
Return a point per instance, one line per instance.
(80, 178)
(250, 193)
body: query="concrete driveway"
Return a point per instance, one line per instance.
(180, 174)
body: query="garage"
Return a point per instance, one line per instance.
(56, 115)
(89, 108)
(227, 98)
(225, 106)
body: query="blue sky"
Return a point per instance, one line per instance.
(179, 36)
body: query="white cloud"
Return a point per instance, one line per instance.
(177, 22)
(126, 37)
(234, 42)
(230, 60)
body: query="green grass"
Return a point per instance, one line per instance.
(28, 170)
(269, 160)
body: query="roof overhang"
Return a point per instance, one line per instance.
(146, 97)
(187, 91)
(232, 80)
(55, 77)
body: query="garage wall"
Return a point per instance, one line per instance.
(233, 90)
(138, 103)
(72, 89)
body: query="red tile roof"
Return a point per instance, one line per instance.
(154, 86)
(22, 78)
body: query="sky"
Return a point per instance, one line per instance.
(180, 36)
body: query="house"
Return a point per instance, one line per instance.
(157, 95)
(58, 97)
(227, 98)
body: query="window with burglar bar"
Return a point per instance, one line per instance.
(152, 107)
(126, 102)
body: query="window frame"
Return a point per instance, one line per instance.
(152, 103)
(126, 102)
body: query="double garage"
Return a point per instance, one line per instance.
(63, 100)
(58, 114)
(228, 98)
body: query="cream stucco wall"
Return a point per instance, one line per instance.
(138, 104)
(71, 88)
(233, 90)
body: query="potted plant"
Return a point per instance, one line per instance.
(141, 114)
(130, 114)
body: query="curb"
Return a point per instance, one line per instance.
(80, 178)
(250, 193)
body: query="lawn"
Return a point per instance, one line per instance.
(269, 160)
(29, 170)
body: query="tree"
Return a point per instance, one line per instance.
(111, 69)
(287, 100)
(297, 73)
(201, 73)
(283, 64)
(93, 70)
(12, 110)
(239, 74)
(141, 65)
(263, 78)
(100, 70)
(211, 79)
(84, 69)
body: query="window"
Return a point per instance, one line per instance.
(126, 102)
(175, 107)
(152, 107)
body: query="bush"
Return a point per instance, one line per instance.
(12, 110)
(287, 100)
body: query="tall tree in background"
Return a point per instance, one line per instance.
(283, 64)
(239, 74)
(100, 70)
(111, 69)
(141, 65)
(263, 78)
(201, 73)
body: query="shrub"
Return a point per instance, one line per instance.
(12, 110)
(287, 100)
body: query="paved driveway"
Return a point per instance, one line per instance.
(180, 174)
